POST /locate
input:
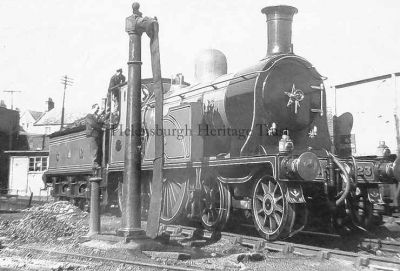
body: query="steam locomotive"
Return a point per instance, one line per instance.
(254, 144)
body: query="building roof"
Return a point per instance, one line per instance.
(35, 114)
(367, 80)
(53, 117)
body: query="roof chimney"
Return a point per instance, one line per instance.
(50, 104)
(279, 24)
(3, 104)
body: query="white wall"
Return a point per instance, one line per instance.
(21, 180)
(18, 177)
(26, 121)
(372, 106)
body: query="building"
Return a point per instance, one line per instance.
(26, 171)
(29, 161)
(374, 105)
(50, 121)
(28, 119)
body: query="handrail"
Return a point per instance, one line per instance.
(214, 84)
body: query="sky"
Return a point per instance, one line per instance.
(43, 40)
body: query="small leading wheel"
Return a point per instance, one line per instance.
(216, 205)
(174, 197)
(273, 216)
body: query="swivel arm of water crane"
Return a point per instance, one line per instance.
(153, 220)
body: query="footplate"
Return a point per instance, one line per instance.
(374, 196)
(294, 194)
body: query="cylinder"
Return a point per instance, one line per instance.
(305, 167)
(279, 26)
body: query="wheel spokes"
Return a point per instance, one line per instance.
(271, 187)
(265, 188)
(265, 220)
(277, 218)
(212, 203)
(278, 208)
(216, 204)
(278, 198)
(173, 193)
(273, 224)
(275, 189)
(268, 205)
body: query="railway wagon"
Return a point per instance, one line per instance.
(251, 145)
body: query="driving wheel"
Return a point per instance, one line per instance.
(216, 205)
(174, 198)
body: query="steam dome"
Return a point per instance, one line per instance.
(210, 64)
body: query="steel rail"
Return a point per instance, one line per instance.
(383, 245)
(258, 243)
(137, 263)
(365, 243)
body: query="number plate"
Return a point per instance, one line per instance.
(365, 170)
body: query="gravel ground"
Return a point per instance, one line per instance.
(47, 223)
(58, 227)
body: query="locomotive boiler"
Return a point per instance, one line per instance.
(251, 145)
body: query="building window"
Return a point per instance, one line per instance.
(38, 163)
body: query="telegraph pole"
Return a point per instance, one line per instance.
(12, 96)
(66, 81)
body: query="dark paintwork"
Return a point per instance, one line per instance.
(70, 153)
(257, 95)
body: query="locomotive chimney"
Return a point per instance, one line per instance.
(279, 24)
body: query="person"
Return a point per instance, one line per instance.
(94, 132)
(112, 93)
(115, 110)
(117, 79)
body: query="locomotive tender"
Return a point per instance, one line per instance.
(252, 144)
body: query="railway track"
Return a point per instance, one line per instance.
(382, 245)
(192, 235)
(115, 260)
(371, 245)
(257, 243)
